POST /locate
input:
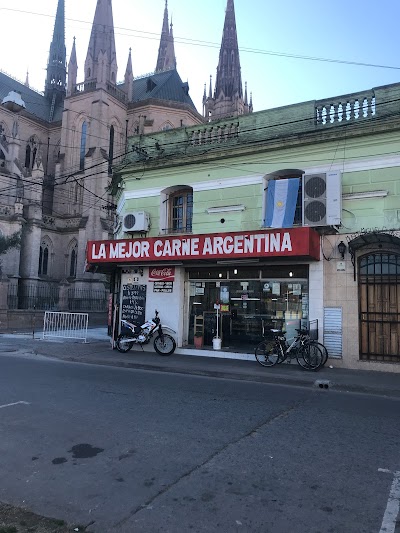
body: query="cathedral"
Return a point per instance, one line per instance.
(58, 149)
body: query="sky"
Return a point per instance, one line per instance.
(275, 38)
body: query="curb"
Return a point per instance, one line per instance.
(323, 385)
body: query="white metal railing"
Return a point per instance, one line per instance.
(65, 325)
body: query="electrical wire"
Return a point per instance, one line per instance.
(209, 44)
(241, 132)
(108, 205)
(250, 144)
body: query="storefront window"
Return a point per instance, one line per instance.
(274, 297)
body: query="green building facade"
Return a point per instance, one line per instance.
(213, 179)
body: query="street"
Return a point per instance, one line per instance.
(135, 451)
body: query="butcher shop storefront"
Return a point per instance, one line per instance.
(235, 286)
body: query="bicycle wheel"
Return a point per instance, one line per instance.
(164, 344)
(267, 353)
(310, 356)
(323, 350)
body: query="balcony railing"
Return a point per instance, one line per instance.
(345, 109)
(92, 85)
(214, 133)
(379, 105)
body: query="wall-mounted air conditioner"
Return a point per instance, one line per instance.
(322, 199)
(135, 221)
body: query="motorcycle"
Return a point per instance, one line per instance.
(164, 344)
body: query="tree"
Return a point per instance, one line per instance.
(6, 243)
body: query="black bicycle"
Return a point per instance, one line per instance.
(305, 333)
(307, 352)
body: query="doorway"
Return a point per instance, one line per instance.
(379, 307)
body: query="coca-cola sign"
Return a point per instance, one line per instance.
(162, 273)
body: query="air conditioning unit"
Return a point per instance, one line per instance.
(322, 199)
(135, 221)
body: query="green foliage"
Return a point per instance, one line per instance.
(13, 241)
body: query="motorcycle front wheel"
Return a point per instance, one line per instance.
(123, 345)
(164, 344)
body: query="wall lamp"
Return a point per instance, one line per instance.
(342, 248)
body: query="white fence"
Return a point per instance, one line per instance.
(65, 325)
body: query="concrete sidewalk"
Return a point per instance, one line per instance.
(188, 361)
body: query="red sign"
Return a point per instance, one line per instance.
(165, 273)
(292, 242)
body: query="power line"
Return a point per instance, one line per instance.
(108, 205)
(241, 132)
(209, 44)
(56, 145)
(348, 127)
(69, 175)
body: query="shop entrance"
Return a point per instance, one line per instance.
(379, 280)
(251, 300)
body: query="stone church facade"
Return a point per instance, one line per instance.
(58, 149)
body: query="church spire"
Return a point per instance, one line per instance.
(72, 70)
(166, 51)
(56, 66)
(129, 77)
(101, 58)
(228, 93)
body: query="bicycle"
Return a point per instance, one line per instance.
(308, 354)
(306, 335)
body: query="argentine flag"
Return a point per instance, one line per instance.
(281, 202)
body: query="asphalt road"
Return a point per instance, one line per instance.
(134, 451)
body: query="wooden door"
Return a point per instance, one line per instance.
(379, 304)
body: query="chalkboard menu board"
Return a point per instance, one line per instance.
(133, 305)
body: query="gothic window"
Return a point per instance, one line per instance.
(57, 151)
(72, 265)
(3, 136)
(28, 157)
(167, 126)
(72, 259)
(113, 77)
(83, 147)
(89, 73)
(111, 150)
(44, 257)
(31, 153)
(4, 143)
(43, 261)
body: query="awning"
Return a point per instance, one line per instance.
(377, 238)
(373, 238)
